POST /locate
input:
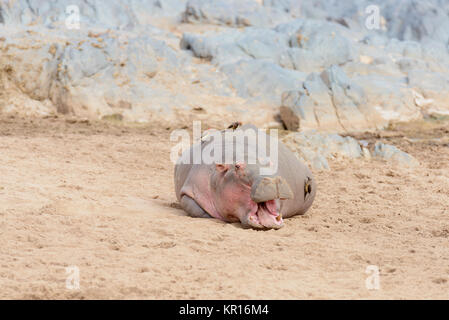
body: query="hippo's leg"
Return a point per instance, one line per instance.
(192, 208)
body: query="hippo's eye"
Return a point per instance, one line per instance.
(307, 187)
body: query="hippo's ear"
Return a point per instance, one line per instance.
(221, 167)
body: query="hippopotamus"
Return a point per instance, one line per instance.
(239, 191)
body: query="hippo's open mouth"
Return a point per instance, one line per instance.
(266, 215)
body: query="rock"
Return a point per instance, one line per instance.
(310, 107)
(113, 14)
(290, 111)
(409, 64)
(410, 55)
(369, 87)
(321, 45)
(348, 98)
(329, 101)
(292, 7)
(388, 99)
(105, 78)
(90, 75)
(235, 13)
(231, 46)
(392, 154)
(27, 77)
(262, 80)
(375, 39)
(417, 20)
(366, 153)
(377, 66)
(433, 87)
(312, 46)
(318, 148)
(33, 72)
(436, 52)
(317, 59)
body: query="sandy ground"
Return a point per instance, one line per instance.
(99, 196)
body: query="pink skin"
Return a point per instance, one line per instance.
(231, 195)
(265, 214)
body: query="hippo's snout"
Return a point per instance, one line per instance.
(268, 188)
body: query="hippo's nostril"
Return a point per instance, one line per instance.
(271, 188)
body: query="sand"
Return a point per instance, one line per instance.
(99, 196)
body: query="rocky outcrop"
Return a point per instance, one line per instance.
(236, 13)
(317, 149)
(91, 75)
(316, 63)
(329, 101)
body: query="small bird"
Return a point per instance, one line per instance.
(235, 125)
(206, 135)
